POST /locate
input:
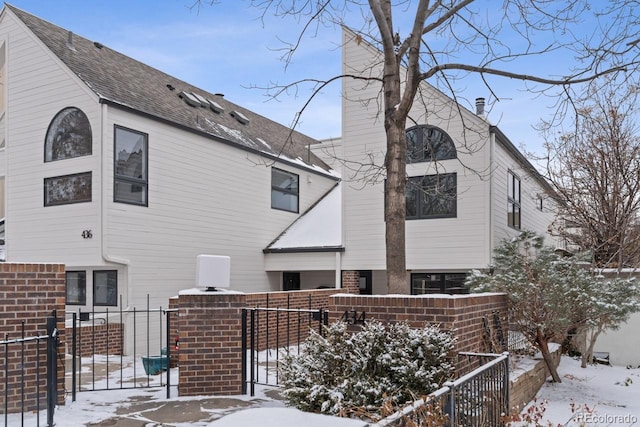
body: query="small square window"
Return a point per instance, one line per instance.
(105, 288)
(76, 287)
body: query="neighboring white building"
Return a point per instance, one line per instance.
(487, 190)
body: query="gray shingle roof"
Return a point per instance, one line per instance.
(124, 82)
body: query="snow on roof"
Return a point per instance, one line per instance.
(318, 228)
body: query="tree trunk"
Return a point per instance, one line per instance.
(396, 170)
(587, 354)
(395, 213)
(543, 345)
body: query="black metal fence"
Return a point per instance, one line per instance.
(267, 333)
(30, 375)
(478, 399)
(103, 359)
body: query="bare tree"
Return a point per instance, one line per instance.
(423, 40)
(595, 168)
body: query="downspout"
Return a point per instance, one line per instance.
(104, 203)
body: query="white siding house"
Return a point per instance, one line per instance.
(125, 174)
(450, 233)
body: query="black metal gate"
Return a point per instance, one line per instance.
(104, 358)
(267, 333)
(26, 365)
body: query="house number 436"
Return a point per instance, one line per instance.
(86, 234)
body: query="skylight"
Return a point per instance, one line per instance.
(217, 108)
(190, 99)
(204, 103)
(240, 117)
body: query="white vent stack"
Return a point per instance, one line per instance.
(212, 272)
(480, 107)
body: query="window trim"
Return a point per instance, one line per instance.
(424, 129)
(144, 182)
(453, 214)
(106, 304)
(286, 191)
(66, 299)
(514, 200)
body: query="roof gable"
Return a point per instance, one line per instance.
(126, 83)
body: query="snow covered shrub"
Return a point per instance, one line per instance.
(344, 372)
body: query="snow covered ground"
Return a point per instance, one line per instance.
(596, 396)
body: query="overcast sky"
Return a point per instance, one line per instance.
(225, 48)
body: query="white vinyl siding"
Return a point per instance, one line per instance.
(211, 198)
(444, 244)
(38, 87)
(531, 217)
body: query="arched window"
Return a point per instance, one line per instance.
(429, 143)
(68, 136)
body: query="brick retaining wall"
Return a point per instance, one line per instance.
(524, 387)
(29, 294)
(462, 314)
(210, 329)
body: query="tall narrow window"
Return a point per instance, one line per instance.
(513, 201)
(68, 136)
(429, 143)
(130, 167)
(76, 287)
(105, 287)
(432, 196)
(284, 190)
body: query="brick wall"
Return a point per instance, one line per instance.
(210, 326)
(526, 382)
(29, 294)
(210, 329)
(99, 339)
(462, 314)
(210, 344)
(351, 282)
